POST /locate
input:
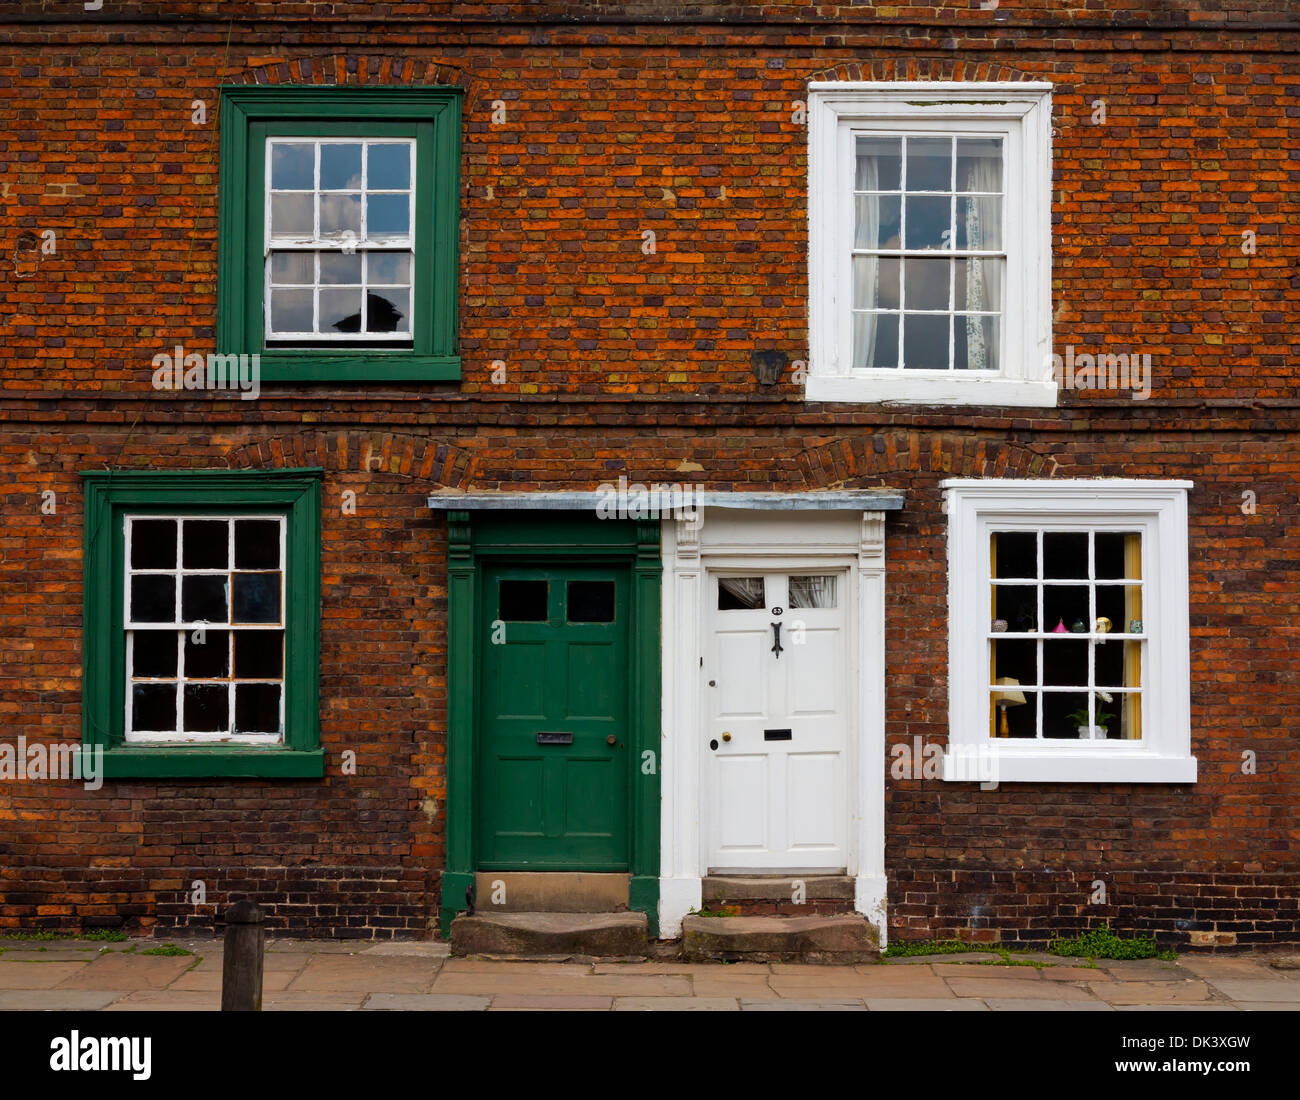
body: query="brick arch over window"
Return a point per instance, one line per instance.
(360, 69)
(863, 460)
(921, 68)
(409, 456)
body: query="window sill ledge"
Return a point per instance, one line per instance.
(181, 762)
(931, 388)
(360, 367)
(971, 764)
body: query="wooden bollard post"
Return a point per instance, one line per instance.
(241, 966)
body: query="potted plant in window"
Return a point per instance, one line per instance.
(1096, 731)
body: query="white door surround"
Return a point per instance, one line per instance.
(838, 538)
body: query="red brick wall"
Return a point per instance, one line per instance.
(618, 362)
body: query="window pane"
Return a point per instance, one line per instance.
(293, 267)
(1015, 711)
(153, 599)
(203, 599)
(929, 164)
(925, 341)
(812, 591)
(340, 267)
(522, 601)
(207, 659)
(389, 167)
(975, 342)
(590, 602)
(257, 598)
(875, 340)
(1017, 606)
(1015, 554)
(740, 594)
(979, 223)
(388, 216)
(878, 224)
(1065, 555)
(340, 214)
(259, 654)
(153, 707)
(1016, 658)
(291, 310)
(1065, 662)
(978, 284)
(927, 287)
(979, 164)
(291, 215)
(388, 310)
(153, 544)
(1063, 714)
(879, 164)
(153, 653)
(340, 310)
(875, 282)
(340, 167)
(257, 708)
(1119, 664)
(389, 267)
(1065, 609)
(1122, 605)
(929, 222)
(257, 544)
(207, 708)
(292, 166)
(205, 544)
(1118, 555)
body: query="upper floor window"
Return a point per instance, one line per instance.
(339, 209)
(924, 287)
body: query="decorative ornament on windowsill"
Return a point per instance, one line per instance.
(1011, 697)
(1060, 627)
(1135, 626)
(1101, 721)
(1078, 627)
(999, 626)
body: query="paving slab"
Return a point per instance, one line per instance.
(313, 1001)
(1074, 974)
(516, 1002)
(167, 1000)
(33, 953)
(561, 985)
(1215, 967)
(342, 973)
(34, 975)
(1152, 993)
(676, 1004)
(1267, 990)
(319, 947)
(1142, 970)
(1006, 987)
(129, 971)
(516, 966)
(58, 1000)
(928, 960)
(205, 981)
(1208, 1007)
(978, 970)
(1041, 1004)
(782, 1005)
(425, 949)
(1267, 1006)
(925, 1004)
(733, 985)
(425, 1002)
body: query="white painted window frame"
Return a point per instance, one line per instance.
(1020, 112)
(182, 626)
(1158, 509)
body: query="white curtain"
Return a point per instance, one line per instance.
(983, 279)
(747, 591)
(866, 273)
(812, 591)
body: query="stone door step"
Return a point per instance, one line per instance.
(778, 887)
(828, 939)
(549, 892)
(554, 935)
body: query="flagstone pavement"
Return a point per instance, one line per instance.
(333, 976)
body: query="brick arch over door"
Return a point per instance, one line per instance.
(922, 68)
(860, 461)
(410, 456)
(355, 69)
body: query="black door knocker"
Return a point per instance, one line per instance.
(776, 640)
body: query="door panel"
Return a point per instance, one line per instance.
(776, 799)
(562, 804)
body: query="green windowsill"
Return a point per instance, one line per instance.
(202, 762)
(352, 367)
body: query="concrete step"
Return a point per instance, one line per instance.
(562, 935)
(814, 939)
(778, 887)
(549, 892)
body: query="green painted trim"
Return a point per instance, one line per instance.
(109, 494)
(472, 540)
(432, 116)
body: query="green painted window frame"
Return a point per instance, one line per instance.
(109, 496)
(431, 115)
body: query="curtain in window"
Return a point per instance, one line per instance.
(983, 284)
(866, 268)
(812, 591)
(748, 591)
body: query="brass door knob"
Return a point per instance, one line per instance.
(611, 739)
(726, 737)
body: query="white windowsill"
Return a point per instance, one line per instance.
(1061, 765)
(931, 388)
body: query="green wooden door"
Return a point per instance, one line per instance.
(555, 708)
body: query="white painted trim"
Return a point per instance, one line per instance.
(715, 540)
(1159, 510)
(1021, 112)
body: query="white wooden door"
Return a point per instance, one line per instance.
(775, 772)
